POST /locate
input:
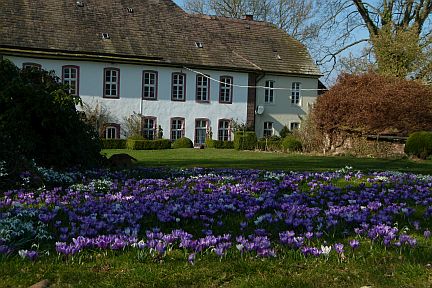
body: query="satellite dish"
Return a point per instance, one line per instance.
(260, 110)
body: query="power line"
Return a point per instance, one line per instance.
(247, 86)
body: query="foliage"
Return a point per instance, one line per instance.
(97, 116)
(269, 144)
(39, 121)
(20, 228)
(284, 132)
(182, 142)
(210, 143)
(397, 37)
(309, 135)
(373, 104)
(397, 50)
(419, 144)
(148, 144)
(133, 126)
(245, 140)
(113, 143)
(291, 144)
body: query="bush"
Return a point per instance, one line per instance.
(183, 142)
(269, 145)
(158, 144)
(217, 144)
(39, 119)
(372, 104)
(291, 144)
(419, 144)
(113, 143)
(245, 140)
(284, 132)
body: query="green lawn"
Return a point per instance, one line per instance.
(219, 158)
(374, 267)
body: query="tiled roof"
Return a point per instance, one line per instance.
(157, 31)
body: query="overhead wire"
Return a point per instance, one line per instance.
(249, 86)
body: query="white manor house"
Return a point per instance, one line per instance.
(191, 75)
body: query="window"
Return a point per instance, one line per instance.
(202, 88)
(200, 131)
(111, 131)
(111, 83)
(32, 66)
(178, 87)
(295, 93)
(268, 129)
(268, 92)
(177, 128)
(70, 75)
(149, 128)
(225, 93)
(224, 130)
(294, 126)
(150, 81)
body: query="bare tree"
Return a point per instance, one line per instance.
(297, 17)
(397, 33)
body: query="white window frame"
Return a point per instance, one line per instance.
(72, 82)
(202, 88)
(177, 132)
(268, 129)
(269, 92)
(224, 131)
(296, 93)
(178, 87)
(199, 139)
(149, 85)
(112, 84)
(109, 130)
(226, 89)
(292, 124)
(149, 132)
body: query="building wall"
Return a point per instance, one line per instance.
(282, 112)
(91, 91)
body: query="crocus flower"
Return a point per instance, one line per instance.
(339, 248)
(354, 243)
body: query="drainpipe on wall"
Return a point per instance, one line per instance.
(251, 101)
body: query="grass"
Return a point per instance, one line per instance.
(220, 158)
(375, 267)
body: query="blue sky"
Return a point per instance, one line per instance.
(179, 2)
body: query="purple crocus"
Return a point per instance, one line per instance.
(191, 258)
(339, 248)
(354, 243)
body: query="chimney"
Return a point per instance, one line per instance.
(249, 17)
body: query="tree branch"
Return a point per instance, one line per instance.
(373, 29)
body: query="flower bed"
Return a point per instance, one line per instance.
(243, 213)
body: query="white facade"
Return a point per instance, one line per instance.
(279, 112)
(283, 110)
(91, 84)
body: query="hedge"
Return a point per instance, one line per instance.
(245, 140)
(291, 144)
(219, 144)
(183, 142)
(419, 144)
(113, 143)
(158, 144)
